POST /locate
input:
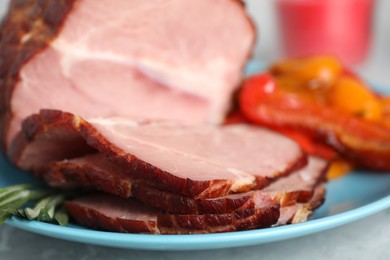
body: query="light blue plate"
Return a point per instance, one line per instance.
(353, 197)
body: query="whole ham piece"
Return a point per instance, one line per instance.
(165, 59)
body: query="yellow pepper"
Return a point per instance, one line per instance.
(312, 72)
(338, 168)
(350, 95)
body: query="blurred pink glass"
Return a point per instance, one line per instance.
(338, 27)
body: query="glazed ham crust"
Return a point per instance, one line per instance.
(42, 55)
(27, 30)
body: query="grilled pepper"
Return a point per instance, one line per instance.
(362, 138)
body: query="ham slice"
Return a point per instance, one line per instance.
(168, 59)
(198, 162)
(95, 171)
(299, 186)
(107, 212)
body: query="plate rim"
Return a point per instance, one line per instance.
(199, 241)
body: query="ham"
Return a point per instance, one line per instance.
(165, 59)
(299, 186)
(111, 213)
(107, 212)
(96, 172)
(146, 83)
(197, 162)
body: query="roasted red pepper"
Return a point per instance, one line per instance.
(365, 142)
(311, 146)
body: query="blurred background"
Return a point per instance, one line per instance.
(375, 67)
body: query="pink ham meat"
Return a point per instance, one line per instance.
(107, 212)
(168, 59)
(95, 171)
(198, 162)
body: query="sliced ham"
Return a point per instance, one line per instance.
(168, 59)
(198, 162)
(107, 212)
(300, 212)
(299, 186)
(305, 210)
(95, 171)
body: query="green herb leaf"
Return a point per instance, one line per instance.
(14, 197)
(4, 192)
(61, 216)
(48, 208)
(11, 209)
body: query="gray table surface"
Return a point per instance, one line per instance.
(368, 238)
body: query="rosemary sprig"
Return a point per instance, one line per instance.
(46, 204)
